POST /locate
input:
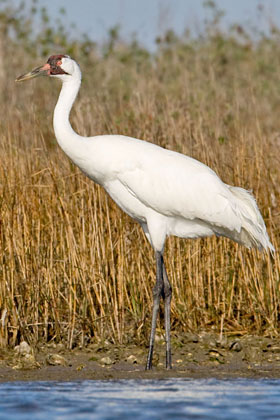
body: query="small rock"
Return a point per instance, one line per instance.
(236, 346)
(23, 349)
(216, 353)
(24, 357)
(106, 361)
(26, 362)
(56, 360)
(132, 359)
(216, 356)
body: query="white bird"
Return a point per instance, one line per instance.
(168, 193)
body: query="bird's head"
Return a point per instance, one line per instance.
(60, 66)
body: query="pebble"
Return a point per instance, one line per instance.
(216, 353)
(106, 361)
(56, 360)
(132, 359)
(26, 361)
(23, 349)
(216, 356)
(24, 357)
(236, 346)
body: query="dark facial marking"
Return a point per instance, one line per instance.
(55, 61)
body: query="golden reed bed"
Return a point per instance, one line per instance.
(73, 266)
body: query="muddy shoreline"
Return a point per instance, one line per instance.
(194, 356)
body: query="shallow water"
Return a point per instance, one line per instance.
(141, 399)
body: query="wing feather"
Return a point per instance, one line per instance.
(173, 184)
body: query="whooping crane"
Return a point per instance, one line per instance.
(168, 193)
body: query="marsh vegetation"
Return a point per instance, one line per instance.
(73, 267)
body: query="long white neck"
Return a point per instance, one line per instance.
(70, 142)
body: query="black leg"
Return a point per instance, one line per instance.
(162, 288)
(157, 292)
(167, 290)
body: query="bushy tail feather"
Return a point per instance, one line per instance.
(253, 232)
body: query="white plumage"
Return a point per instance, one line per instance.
(168, 193)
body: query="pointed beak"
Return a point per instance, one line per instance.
(39, 71)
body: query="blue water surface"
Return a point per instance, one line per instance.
(141, 399)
